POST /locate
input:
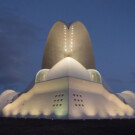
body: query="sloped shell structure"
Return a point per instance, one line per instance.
(73, 42)
(68, 98)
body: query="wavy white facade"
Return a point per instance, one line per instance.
(68, 86)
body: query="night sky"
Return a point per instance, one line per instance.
(25, 24)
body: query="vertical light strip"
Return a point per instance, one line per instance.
(65, 38)
(71, 38)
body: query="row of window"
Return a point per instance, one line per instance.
(56, 105)
(79, 100)
(58, 100)
(60, 95)
(77, 95)
(80, 105)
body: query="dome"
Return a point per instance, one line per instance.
(68, 67)
(4, 93)
(128, 97)
(95, 76)
(41, 75)
(7, 97)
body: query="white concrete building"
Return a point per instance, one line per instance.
(68, 86)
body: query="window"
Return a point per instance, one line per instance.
(41, 75)
(57, 102)
(78, 100)
(95, 76)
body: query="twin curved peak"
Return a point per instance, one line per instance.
(68, 67)
(72, 41)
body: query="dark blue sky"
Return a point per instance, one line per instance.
(24, 26)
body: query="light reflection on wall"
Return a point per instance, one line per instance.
(35, 112)
(15, 111)
(24, 112)
(75, 114)
(60, 112)
(91, 111)
(47, 112)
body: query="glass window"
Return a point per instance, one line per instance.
(41, 75)
(95, 76)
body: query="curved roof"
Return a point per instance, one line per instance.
(68, 67)
(41, 75)
(4, 93)
(68, 42)
(95, 76)
(7, 97)
(129, 97)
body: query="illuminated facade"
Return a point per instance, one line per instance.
(68, 86)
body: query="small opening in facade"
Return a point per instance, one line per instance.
(60, 104)
(74, 99)
(55, 95)
(62, 95)
(73, 94)
(58, 100)
(78, 100)
(57, 105)
(61, 99)
(75, 104)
